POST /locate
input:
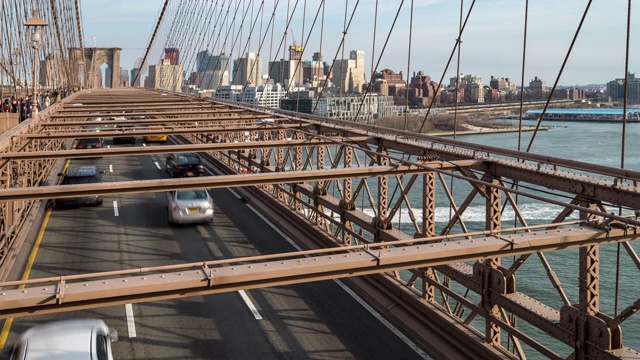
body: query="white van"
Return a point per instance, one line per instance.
(87, 339)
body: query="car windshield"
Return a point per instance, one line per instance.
(187, 159)
(191, 194)
(89, 141)
(80, 180)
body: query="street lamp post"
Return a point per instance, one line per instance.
(35, 31)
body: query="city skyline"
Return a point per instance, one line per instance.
(550, 30)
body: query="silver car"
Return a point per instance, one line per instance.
(189, 206)
(66, 340)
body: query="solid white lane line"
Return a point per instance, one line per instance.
(252, 307)
(110, 168)
(115, 208)
(157, 165)
(373, 312)
(210, 172)
(275, 228)
(384, 321)
(235, 194)
(131, 325)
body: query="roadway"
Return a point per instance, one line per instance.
(315, 320)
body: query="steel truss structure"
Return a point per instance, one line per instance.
(369, 198)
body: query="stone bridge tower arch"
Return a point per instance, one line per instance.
(91, 60)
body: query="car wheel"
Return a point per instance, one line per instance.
(99, 202)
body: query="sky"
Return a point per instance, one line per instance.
(492, 41)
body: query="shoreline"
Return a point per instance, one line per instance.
(481, 130)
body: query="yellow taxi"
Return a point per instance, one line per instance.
(155, 138)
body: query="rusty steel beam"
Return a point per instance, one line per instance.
(166, 149)
(212, 182)
(63, 124)
(165, 131)
(148, 113)
(405, 141)
(152, 284)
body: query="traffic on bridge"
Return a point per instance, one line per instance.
(176, 220)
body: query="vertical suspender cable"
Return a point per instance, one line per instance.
(624, 136)
(344, 34)
(393, 24)
(453, 51)
(455, 111)
(406, 104)
(317, 96)
(457, 98)
(524, 57)
(373, 46)
(555, 84)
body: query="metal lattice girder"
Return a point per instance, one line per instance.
(165, 131)
(167, 149)
(160, 185)
(83, 291)
(146, 113)
(429, 204)
(190, 121)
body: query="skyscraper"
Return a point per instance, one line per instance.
(165, 76)
(173, 55)
(247, 70)
(348, 74)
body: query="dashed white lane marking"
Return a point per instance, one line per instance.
(157, 165)
(143, 144)
(115, 208)
(131, 325)
(252, 307)
(110, 168)
(108, 146)
(371, 310)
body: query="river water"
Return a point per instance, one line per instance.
(597, 143)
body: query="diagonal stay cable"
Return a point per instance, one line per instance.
(344, 34)
(555, 84)
(155, 32)
(453, 51)
(384, 47)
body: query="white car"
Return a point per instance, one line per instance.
(66, 340)
(189, 206)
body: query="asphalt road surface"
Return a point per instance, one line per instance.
(320, 320)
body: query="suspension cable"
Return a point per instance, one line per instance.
(555, 84)
(453, 51)
(153, 37)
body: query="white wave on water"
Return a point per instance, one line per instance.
(531, 212)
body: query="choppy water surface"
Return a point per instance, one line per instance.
(590, 142)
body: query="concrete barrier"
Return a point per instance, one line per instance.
(8, 120)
